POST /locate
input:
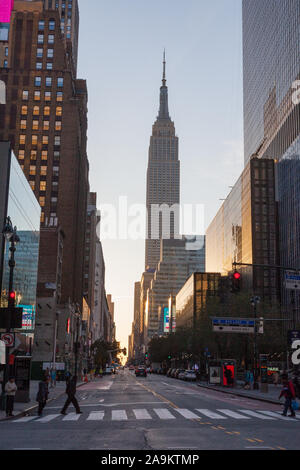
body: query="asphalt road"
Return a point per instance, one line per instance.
(123, 412)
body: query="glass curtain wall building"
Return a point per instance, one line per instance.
(23, 209)
(271, 51)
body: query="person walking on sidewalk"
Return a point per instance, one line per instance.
(288, 392)
(42, 394)
(71, 391)
(10, 390)
(53, 378)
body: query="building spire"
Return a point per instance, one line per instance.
(164, 69)
(163, 108)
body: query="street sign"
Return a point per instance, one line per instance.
(16, 317)
(8, 339)
(292, 280)
(233, 325)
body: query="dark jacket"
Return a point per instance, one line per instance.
(288, 391)
(71, 387)
(42, 394)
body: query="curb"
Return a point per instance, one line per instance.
(268, 400)
(32, 408)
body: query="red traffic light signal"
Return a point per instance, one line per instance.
(12, 295)
(236, 280)
(237, 275)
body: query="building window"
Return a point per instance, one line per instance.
(42, 217)
(24, 110)
(33, 155)
(59, 96)
(60, 82)
(23, 124)
(56, 155)
(6, 52)
(57, 140)
(32, 184)
(55, 171)
(37, 81)
(39, 53)
(58, 125)
(50, 53)
(44, 154)
(43, 185)
(22, 139)
(47, 111)
(45, 140)
(47, 95)
(42, 201)
(49, 66)
(43, 171)
(40, 39)
(35, 125)
(21, 154)
(37, 96)
(34, 139)
(39, 66)
(58, 111)
(52, 25)
(41, 25)
(50, 38)
(25, 95)
(46, 125)
(48, 81)
(32, 170)
(36, 110)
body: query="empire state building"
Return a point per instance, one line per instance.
(163, 180)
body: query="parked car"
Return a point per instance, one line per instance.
(109, 370)
(181, 374)
(190, 375)
(141, 372)
(131, 367)
(177, 372)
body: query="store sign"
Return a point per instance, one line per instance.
(6, 7)
(296, 354)
(292, 280)
(28, 317)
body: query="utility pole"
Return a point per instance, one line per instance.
(254, 301)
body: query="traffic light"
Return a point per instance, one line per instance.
(169, 356)
(146, 355)
(236, 279)
(11, 298)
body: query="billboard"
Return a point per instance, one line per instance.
(6, 7)
(28, 317)
(166, 320)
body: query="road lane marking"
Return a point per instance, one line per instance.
(163, 413)
(187, 413)
(118, 415)
(277, 415)
(255, 415)
(211, 414)
(233, 414)
(46, 419)
(71, 417)
(24, 420)
(95, 416)
(141, 414)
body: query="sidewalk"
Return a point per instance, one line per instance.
(23, 408)
(270, 397)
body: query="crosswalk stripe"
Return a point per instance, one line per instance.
(297, 415)
(72, 417)
(119, 415)
(233, 414)
(163, 413)
(255, 415)
(277, 415)
(25, 419)
(187, 413)
(211, 414)
(96, 416)
(47, 418)
(141, 414)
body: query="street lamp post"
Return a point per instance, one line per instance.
(254, 301)
(10, 234)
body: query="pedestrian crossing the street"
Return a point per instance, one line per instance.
(143, 414)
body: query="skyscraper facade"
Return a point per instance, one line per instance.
(163, 181)
(271, 51)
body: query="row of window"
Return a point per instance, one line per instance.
(43, 170)
(34, 139)
(48, 81)
(41, 39)
(36, 110)
(35, 125)
(34, 153)
(37, 95)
